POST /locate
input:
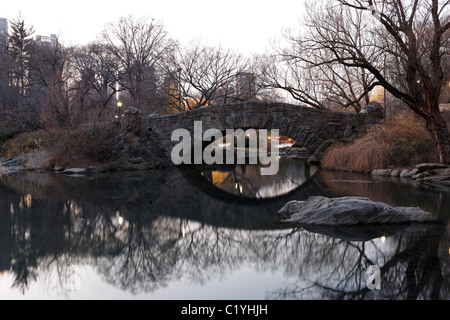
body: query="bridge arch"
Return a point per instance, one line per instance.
(314, 129)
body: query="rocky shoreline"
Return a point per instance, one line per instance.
(146, 156)
(431, 173)
(424, 172)
(41, 161)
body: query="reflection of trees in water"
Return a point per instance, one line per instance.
(412, 267)
(209, 252)
(144, 250)
(143, 259)
(171, 249)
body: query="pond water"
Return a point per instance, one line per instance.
(212, 233)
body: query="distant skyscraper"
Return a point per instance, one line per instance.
(51, 40)
(246, 85)
(3, 33)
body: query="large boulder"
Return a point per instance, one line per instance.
(318, 210)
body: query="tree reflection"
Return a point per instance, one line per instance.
(142, 233)
(413, 266)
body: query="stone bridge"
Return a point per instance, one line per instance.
(314, 129)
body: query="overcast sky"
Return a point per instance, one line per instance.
(242, 25)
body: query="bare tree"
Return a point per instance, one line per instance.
(138, 45)
(97, 71)
(52, 79)
(310, 74)
(201, 75)
(409, 34)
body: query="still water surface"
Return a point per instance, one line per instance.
(212, 233)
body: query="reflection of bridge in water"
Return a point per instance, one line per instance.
(200, 200)
(244, 184)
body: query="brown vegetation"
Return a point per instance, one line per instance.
(349, 47)
(87, 144)
(23, 143)
(403, 141)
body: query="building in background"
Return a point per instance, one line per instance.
(246, 85)
(51, 40)
(3, 33)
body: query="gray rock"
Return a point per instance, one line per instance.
(29, 161)
(318, 210)
(132, 121)
(430, 166)
(421, 175)
(442, 172)
(133, 111)
(395, 173)
(431, 172)
(437, 178)
(75, 170)
(404, 173)
(381, 172)
(411, 173)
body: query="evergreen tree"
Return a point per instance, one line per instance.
(19, 49)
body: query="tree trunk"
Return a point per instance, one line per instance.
(438, 129)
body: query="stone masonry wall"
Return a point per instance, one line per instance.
(314, 129)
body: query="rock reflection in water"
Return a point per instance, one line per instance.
(143, 232)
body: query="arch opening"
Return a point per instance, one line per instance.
(246, 181)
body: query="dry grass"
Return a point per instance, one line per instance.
(403, 141)
(86, 144)
(24, 143)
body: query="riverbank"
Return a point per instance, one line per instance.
(43, 160)
(423, 172)
(134, 154)
(141, 156)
